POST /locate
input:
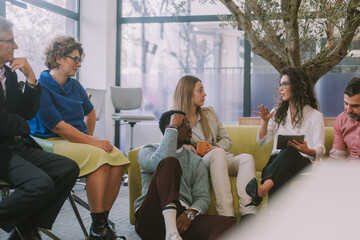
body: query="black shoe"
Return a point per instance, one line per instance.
(112, 234)
(100, 229)
(247, 217)
(252, 191)
(31, 234)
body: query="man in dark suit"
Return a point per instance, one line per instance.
(43, 180)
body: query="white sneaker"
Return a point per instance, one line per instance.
(174, 236)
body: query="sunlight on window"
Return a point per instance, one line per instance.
(34, 28)
(155, 56)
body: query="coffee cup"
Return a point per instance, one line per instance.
(203, 147)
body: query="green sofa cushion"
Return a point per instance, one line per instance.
(243, 141)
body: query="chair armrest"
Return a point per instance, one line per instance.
(45, 144)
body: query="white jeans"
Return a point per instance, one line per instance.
(221, 167)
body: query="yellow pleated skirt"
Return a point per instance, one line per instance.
(89, 157)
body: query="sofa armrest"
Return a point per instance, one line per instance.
(329, 138)
(134, 182)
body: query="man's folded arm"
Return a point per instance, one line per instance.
(12, 124)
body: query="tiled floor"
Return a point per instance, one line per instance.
(66, 226)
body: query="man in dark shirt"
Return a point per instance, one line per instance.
(42, 180)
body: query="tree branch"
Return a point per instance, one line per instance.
(330, 57)
(330, 25)
(265, 20)
(257, 46)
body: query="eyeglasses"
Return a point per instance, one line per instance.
(283, 85)
(11, 40)
(186, 124)
(75, 59)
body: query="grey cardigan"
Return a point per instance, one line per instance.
(194, 185)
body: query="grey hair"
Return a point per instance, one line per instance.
(5, 26)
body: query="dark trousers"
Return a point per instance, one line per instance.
(283, 166)
(43, 181)
(164, 189)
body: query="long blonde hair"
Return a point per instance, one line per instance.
(183, 101)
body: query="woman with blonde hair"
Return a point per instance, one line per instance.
(67, 118)
(189, 97)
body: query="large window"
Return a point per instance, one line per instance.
(72, 5)
(36, 23)
(156, 55)
(153, 8)
(161, 42)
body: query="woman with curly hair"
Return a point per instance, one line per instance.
(295, 114)
(67, 118)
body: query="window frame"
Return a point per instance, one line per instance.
(47, 6)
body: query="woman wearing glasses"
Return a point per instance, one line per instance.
(67, 118)
(295, 114)
(189, 97)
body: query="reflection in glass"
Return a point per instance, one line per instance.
(155, 56)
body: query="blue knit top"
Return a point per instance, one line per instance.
(69, 104)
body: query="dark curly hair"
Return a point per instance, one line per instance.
(353, 87)
(165, 119)
(61, 46)
(302, 93)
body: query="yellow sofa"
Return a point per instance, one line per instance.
(243, 141)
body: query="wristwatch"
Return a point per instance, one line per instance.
(170, 126)
(32, 85)
(189, 215)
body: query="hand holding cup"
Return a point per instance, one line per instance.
(202, 148)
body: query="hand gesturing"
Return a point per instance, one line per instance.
(264, 113)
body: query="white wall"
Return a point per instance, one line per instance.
(98, 36)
